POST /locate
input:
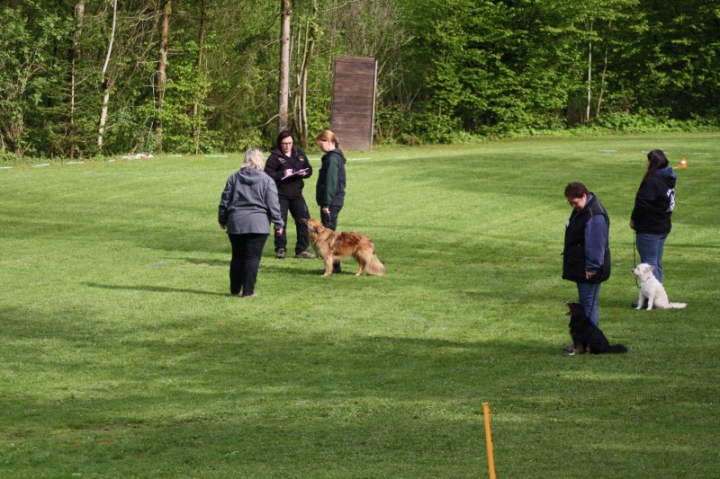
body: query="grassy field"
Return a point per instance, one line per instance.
(123, 354)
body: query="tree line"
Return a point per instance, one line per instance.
(80, 78)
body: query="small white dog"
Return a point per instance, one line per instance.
(652, 290)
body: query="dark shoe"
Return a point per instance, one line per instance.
(322, 272)
(569, 350)
(280, 253)
(634, 304)
(305, 255)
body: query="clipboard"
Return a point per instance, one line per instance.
(295, 173)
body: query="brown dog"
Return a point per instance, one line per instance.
(334, 246)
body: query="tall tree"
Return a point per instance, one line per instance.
(285, 14)
(79, 20)
(161, 75)
(107, 81)
(305, 48)
(202, 32)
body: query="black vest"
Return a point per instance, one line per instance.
(574, 252)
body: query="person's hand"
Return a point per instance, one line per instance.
(223, 226)
(325, 210)
(632, 224)
(589, 274)
(288, 172)
(278, 232)
(303, 173)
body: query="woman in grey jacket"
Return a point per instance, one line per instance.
(248, 204)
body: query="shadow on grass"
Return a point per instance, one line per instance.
(207, 262)
(191, 392)
(154, 289)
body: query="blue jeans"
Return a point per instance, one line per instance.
(650, 247)
(588, 297)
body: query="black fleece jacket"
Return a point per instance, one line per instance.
(655, 202)
(276, 165)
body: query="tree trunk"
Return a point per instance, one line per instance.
(79, 19)
(284, 65)
(161, 75)
(589, 76)
(107, 83)
(603, 76)
(309, 47)
(196, 106)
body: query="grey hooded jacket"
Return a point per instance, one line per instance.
(249, 203)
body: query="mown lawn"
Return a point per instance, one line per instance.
(123, 354)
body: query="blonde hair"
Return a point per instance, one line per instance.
(328, 135)
(254, 159)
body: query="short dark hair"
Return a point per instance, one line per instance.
(575, 190)
(284, 134)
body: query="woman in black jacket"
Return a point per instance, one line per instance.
(654, 205)
(586, 255)
(288, 166)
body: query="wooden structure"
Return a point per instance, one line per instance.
(353, 103)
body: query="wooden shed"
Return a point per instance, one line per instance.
(353, 103)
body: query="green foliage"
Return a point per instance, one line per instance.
(648, 123)
(31, 75)
(186, 87)
(485, 74)
(447, 69)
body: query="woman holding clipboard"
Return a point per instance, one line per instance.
(288, 166)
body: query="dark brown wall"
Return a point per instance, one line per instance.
(353, 105)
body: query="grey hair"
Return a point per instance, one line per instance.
(254, 159)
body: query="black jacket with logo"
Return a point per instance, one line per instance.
(276, 165)
(655, 202)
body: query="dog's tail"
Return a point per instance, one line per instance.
(374, 266)
(676, 305)
(618, 348)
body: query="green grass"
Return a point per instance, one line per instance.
(123, 354)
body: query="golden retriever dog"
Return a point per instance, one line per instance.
(652, 290)
(334, 246)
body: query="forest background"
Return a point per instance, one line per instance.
(82, 78)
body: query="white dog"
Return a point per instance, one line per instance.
(652, 290)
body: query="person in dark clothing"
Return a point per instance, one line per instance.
(654, 205)
(248, 204)
(330, 188)
(288, 166)
(586, 255)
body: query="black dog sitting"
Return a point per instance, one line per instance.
(587, 338)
